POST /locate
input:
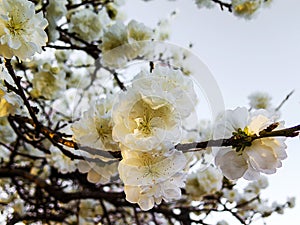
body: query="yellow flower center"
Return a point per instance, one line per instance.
(243, 138)
(151, 170)
(146, 117)
(16, 27)
(246, 8)
(144, 125)
(103, 129)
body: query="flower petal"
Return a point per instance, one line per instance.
(261, 157)
(233, 166)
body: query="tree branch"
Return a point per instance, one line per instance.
(234, 140)
(223, 5)
(284, 100)
(57, 192)
(20, 90)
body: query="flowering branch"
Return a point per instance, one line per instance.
(188, 147)
(57, 138)
(234, 141)
(130, 174)
(239, 140)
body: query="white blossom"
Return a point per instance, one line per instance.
(245, 8)
(9, 102)
(171, 84)
(152, 177)
(94, 129)
(263, 156)
(98, 173)
(255, 186)
(71, 103)
(21, 30)
(143, 125)
(122, 43)
(260, 100)
(88, 25)
(138, 39)
(200, 183)
(114, 38)
(232, 195)
(138, 32)
(149, 114)
(263, 207)
(48, 83)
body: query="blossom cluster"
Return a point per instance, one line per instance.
(145, 123)
(76, 117)
(249, 160)
(241, 8)
(21, 29)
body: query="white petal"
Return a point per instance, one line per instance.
(230, 121)
(146, 202)
(147, 169)
(233, 166)
(251, 174)
(171, 193)
(278, 146)
(238, 117)
(132, 193)
(261, 157)
(259, 123)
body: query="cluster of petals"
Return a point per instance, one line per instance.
(98, 173)
(93, 132)
(248, 8)
(147, 123)
(149, 115)
(21, 29)
(87, 24)
(200, 183)
(150, 177)
(121, 43)
(262, 156)
(48, 83)
(94, 129)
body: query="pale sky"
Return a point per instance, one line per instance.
(244, 56)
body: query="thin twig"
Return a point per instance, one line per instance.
(20, 90)
(284, 100)
(223, 5)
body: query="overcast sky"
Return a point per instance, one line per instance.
(262, 54)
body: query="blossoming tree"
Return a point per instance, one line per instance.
(99, 123)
